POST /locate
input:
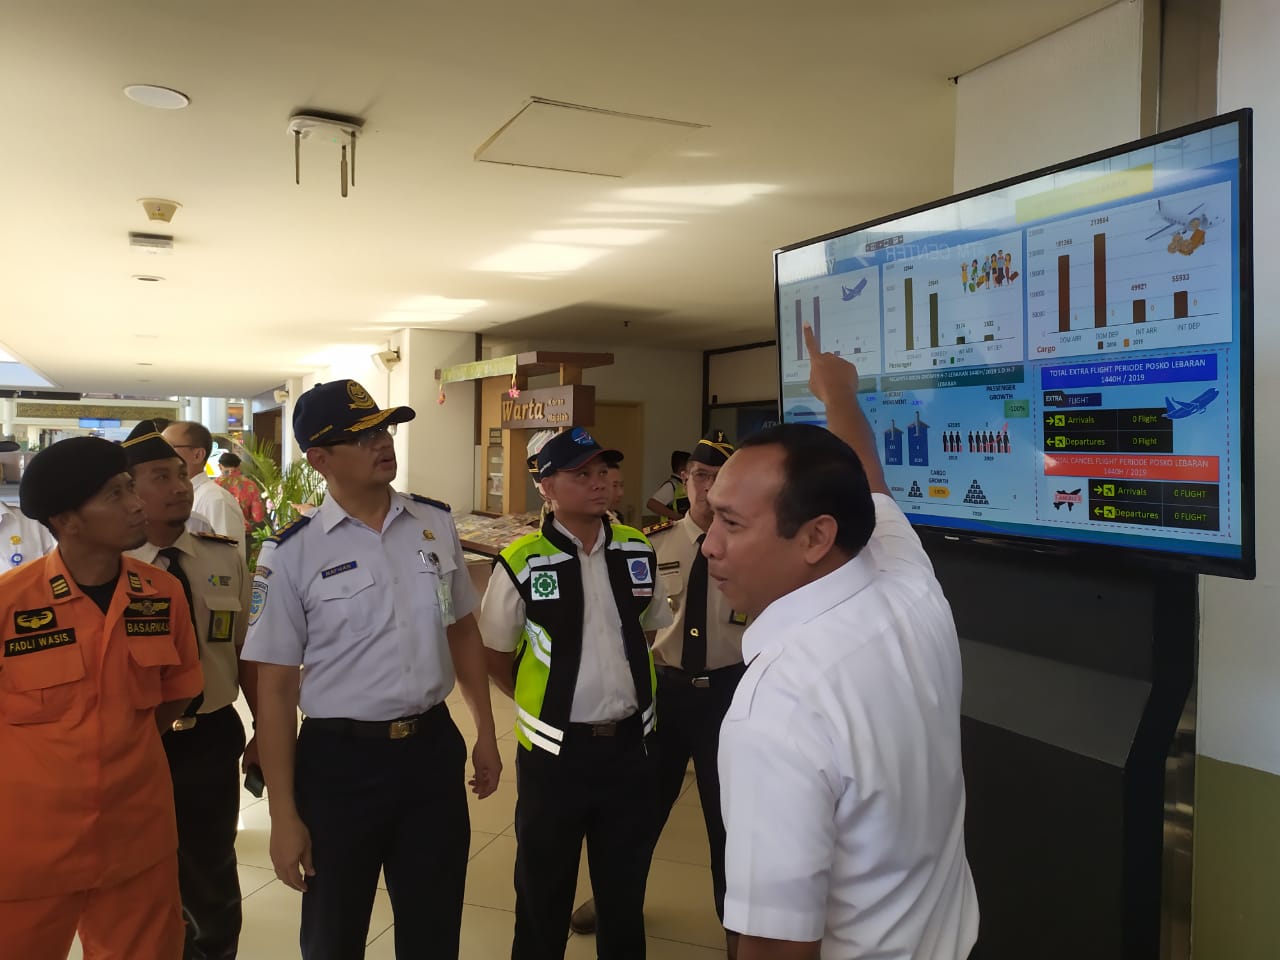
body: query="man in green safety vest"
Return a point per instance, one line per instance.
(564, 620)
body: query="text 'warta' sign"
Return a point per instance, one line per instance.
(566, 406)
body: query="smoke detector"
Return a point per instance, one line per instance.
(158, 209)
(151, 243)
(325, 127)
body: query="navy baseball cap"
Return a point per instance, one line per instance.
(570, 450)
(338, 410)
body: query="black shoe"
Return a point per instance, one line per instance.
(584, 918)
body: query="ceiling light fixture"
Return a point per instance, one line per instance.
(159, 209)
(147, 277)
(159, 98)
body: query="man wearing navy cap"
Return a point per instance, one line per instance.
(371, 595)
(564, 618)
(205, 744)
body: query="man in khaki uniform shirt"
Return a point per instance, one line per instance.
(698, 658)
(205, 745)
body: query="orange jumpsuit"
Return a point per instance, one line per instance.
(88, 838)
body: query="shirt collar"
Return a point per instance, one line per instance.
(594, 547)
(331, 513)
(691, 529)
(148, 552)
(200, 479)
(807, 603)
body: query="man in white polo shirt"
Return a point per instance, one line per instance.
(840, 773)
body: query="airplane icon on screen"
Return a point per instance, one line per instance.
(1177, 409)
(847, 294)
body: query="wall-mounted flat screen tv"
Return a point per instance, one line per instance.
(1061, 361)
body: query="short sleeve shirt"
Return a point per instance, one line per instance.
(85, 795)
(841, 782)
(359, 609)
(605, 689)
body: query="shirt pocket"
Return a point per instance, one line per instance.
(224, 613)
(426, 602)
(40, 687)
(149, 657)
(348, 604)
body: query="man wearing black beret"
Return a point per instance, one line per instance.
(98, 656)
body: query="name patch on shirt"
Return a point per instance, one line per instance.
(545, 585)
(639, 570)
(29, 621)
(19, 646)
(257, 600)
(671, 566)
(340, 568)
(146, 616)
(59, 586)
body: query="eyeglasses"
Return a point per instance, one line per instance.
(364, 439)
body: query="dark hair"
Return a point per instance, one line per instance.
(228, 460)
(821, 475)
(679, 460)
(197, 433)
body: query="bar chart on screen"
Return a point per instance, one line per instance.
(844, 311)
(955, 305)
(1144, 276)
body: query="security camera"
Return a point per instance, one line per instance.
(384, 360)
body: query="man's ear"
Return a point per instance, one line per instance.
(317, 457)
(818, 537)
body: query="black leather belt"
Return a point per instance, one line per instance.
(626, 728)
(708, 678)
(398, 729)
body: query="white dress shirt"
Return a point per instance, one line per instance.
(840, 774)
(359, 609)
(606, 690)
(219, 507)
(21, 538)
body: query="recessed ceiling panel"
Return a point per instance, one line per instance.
(573, 138)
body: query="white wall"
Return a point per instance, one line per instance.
(1073, 92)
(436, 450)
(1239, 719)
(741, 376)
(667, 382)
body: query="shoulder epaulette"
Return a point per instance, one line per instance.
(216, 537)
(440, 504)
(288, 530)
(658, 527)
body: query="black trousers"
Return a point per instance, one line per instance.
(689, 721)
(600, 789)
(205, 765)
(395, 805)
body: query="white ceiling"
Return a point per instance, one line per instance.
(819, 114)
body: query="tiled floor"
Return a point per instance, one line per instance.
(679, 915)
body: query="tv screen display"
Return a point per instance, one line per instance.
(1060, 360)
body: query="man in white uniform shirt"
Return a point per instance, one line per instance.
(194, 442)
(840, 772)
(21, 538)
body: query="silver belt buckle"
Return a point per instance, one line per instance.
(701, 682)
(184, 723)
(403, 728)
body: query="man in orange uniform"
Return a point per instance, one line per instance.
(99, 655)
